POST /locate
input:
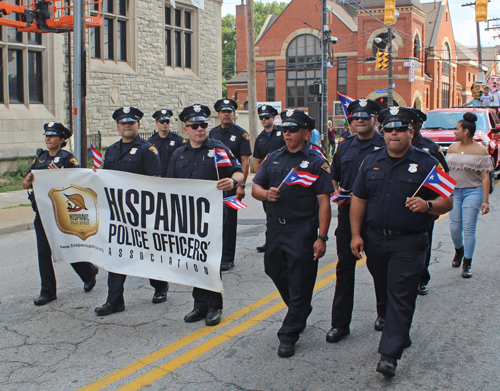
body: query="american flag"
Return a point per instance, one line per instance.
(440, 182)
(96, 156)
(305, 179)
(340, 200)
(220, 158)
(234, 203)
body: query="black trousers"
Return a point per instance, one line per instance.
(426, 277)
(115, 287)
(229, 230)
(396, 263)
(85, 270)
(204, 299)
(289, 261)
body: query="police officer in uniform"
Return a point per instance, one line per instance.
(345, 167)
(293, 244)
(165, 141)
(269, 140)
(195, 160)
(397, 222)
(135, 155)
(238, 141)
(54, 157)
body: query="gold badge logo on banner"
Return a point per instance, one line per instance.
(75, 210)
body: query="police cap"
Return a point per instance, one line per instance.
(421, 116)
(162, 114)
(127, 114)
(296, 117)
(397, 117)
(195, 112)
(267, 110)
(225, 104)
(364, 108)
(57, 129)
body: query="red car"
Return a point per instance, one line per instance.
(441, 123)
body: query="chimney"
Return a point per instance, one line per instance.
(241, 37)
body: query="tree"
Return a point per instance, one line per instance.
(261, 12)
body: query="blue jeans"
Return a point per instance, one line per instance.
(466, 207)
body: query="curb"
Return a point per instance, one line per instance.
(16, 228)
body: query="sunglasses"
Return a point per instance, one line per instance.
(264, 117)
(291, 129)
(399, 130)
(203, 125)
(164, 121)
(361, 118)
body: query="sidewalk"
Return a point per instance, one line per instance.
(13, 217)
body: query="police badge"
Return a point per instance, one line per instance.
(164, 111)
(290, 112)
(197, 108)
(304, 164)
(233, 138)
(133, 151)
(413, 168)
(51, 124)
(126, 109)
(263, 107)
(172, 143)
(394, 111)
(56, 159)
(278, 133)
(363, 102)
(226, 102)
(210, 153)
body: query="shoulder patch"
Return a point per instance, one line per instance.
(74, 161)
(245, 136)
(325, 166)
(184, 141)
(153, 149)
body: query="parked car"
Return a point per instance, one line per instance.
(441, 123)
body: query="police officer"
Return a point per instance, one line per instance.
(397, 221)
(293, 244)
(238, 141)
(165, 141)
(345, 167)
(54, 157)
(135, 155)
(195, 160)
(269, 140)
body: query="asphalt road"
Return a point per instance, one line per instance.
(64, 346)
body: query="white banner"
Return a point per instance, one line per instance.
(159, 228)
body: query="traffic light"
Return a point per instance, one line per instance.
(390, 11)
(382, 61)
(481, 10)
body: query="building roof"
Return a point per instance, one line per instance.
(346, 14)
(271, 18)
(491, 58)
(239, 78)
(434, 14)
(468, 56)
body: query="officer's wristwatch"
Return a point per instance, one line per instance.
(429, 206)
(324, 238)
(235, 183)
(242, 185)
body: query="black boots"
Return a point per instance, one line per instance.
(459, 254)
(466, 268)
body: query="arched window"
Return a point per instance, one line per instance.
(381, 43)
(417, 46)
(303, 59)
(446, 59)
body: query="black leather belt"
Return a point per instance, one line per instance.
(288, 221)
(391, 232)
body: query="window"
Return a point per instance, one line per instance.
(179, 36)
(303, 60)
(270, 81)
(446, 59)
(342, 75)
(417, 47)
(109, 42)
(381, 43)
(445, 95)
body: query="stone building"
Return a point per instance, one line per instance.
(148, 54)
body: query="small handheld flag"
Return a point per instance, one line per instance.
(440, 182)
(234, 203)
(301, 178)
(220, 158)
(340, 200)
(317, 149)
(96, 156)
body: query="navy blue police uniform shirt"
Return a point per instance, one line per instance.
(430, 146)
(198, 163)
(137, 157)
(349, 156)
(62, 158)
(268, 142)
(235, 138)
(166, 146)
(295, 201)
(386, 185)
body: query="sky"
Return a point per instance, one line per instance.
(463, 19)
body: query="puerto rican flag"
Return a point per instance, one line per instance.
(340, 200)
(317, 149)
(96, 156)
(344, 101)
(301, 178)
(234, 203)
(440, 182)
(220, 158)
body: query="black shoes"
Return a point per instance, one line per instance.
(466, 268)
(195, 316)
(387, 365)
(89, 285)
(261, 249)
(422, 290)
(214, 316)
(286, 349)
(159, 296)
(379, 324)
(42, 300)
(459, 254)
(408, 343)
(336, 334)
(226, 266)
(108, 309)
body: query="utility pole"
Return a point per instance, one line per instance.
(325, 35)
(480, 73)
(252, 84)
(390, 75)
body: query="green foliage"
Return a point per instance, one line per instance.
(261, 11)
(13, 180)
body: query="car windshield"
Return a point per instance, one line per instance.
(448, 120)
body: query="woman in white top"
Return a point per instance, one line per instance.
(469, 164)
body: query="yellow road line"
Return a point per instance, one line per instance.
(187, 357)
(166, 350)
